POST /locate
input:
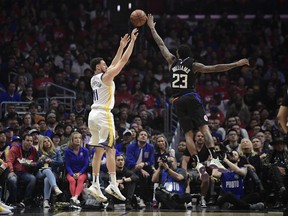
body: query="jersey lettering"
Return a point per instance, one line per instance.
(180, 81)
(172, 186)
(232, 184)
(95, 95)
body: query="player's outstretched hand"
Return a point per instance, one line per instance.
(150, 21)
(243, 62)
(134, 34)
(125, 40)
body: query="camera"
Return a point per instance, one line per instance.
(229, 153)
(164, 158)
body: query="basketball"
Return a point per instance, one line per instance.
(138, 18)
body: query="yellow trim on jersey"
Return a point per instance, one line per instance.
(110, 122)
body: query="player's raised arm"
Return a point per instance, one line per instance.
(123, 43)
(164, 50)
(114, 70)
(198, 67)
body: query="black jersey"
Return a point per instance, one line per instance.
(183, 78)
(203, 155)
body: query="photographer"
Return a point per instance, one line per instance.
(172, 183)
(232, 195)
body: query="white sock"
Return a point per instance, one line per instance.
(113, 178)
(93, 178)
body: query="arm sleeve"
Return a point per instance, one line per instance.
(130, 160)
(151, 158)
(132, 175)
(182, 172)
(86, 164)
(11, 158)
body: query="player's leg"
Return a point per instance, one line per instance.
(95, 189)
(112, 188)
(214, 163)
(94, 128)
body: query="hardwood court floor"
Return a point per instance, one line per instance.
(150, 212)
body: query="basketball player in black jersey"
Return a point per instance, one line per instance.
(187, 102)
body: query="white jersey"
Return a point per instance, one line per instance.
(103, 95)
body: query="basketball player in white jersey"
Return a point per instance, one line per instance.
(100, 121)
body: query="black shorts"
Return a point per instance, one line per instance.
(190, 112)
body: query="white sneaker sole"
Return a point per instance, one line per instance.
(202, 170)
(6, 206)
(98, 197)
(220, 169)
(113, 193)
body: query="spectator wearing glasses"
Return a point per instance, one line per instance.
(232, 141)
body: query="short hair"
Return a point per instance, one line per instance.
(231, 130)
(148, 134)
(94, 62)
(26, 135)
(120, 155)
(184, 51)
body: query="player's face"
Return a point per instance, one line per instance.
(102, 66)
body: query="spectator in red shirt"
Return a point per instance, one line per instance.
(22, 162)
(123, 95)
(39, 84)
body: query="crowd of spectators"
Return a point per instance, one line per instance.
(46, 42)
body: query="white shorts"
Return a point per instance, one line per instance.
(101, 126)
